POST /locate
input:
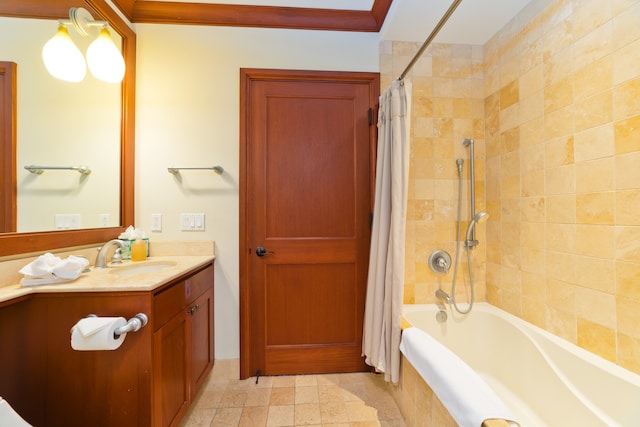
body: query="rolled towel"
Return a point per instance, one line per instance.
(469, 400)
(9, 417)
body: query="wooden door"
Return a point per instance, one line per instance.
(307, 147)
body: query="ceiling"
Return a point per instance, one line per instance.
(473, 22)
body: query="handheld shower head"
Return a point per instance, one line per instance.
(459, 163)
(478, 218)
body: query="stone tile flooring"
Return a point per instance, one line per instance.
(337, 400)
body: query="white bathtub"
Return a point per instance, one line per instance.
(543, 380)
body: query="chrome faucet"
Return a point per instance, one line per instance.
(101, 259)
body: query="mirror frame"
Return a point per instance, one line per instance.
(23, 243)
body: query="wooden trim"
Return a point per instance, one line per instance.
(9, 71)
(23, 243)
(127, 130)
(245, 337)
(379, 10)
(49, 9)
(161, 12)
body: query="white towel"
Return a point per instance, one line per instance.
(9, 417)
(50, 269)
(466, 396)
(41, 266)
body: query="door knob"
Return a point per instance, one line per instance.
(261, 251)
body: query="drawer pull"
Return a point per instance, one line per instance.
(193, 309)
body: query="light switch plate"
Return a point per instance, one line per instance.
(67, 221)
(105, 220)
(192, 222)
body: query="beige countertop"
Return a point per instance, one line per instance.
(126, 277)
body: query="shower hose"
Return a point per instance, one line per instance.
(457, 260)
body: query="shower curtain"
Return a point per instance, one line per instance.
(385, 282)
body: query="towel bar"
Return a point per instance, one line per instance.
(216, 169)
(84, 170)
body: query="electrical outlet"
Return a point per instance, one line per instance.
(156, 222)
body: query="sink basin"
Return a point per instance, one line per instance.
(142, 267)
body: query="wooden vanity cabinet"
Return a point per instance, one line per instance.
(150, 380)
(183, 345)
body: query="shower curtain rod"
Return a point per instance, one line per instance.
(433, 34)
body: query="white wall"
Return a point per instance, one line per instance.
(188, 115)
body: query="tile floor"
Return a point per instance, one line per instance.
(336, 400)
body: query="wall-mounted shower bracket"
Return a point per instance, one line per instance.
(440, 261)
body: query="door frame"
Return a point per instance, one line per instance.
(8, 147)
(247, 76)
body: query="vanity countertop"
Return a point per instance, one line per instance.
(153, 273)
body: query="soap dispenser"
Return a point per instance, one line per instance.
(138, 249)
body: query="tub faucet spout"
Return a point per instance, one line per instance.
(442, 295)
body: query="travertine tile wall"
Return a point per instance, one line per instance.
(559, 133)
(562, 86)
(417, 402)
(448, 91)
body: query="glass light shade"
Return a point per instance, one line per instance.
(104, 59)
(62, 57)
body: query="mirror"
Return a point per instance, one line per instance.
(121, 173)
(62, 124)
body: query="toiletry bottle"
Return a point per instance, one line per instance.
(138, 249)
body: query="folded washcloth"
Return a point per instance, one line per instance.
(49, 269)
(41, 266)
(70, 267)
(469, 400)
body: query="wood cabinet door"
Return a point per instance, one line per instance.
(306, 150)
(200, 315)
(98, 388)
(171, 382)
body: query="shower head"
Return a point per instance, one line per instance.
(478, 218)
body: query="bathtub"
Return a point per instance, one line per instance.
(544, 380)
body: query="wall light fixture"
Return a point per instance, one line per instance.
(64, 60)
